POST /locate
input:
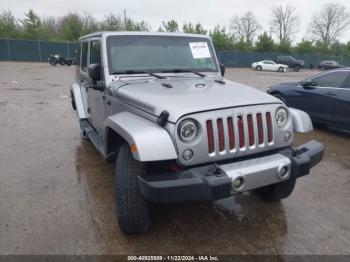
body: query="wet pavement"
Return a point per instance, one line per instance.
(57, 193)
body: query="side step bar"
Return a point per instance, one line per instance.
(94, 137)
(92, 134)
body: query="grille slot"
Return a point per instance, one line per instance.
(233, 134)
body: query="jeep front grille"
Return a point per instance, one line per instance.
(245, 132)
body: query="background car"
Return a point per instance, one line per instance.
(291, 62)
(269, 65)
(325, 97)
(327, 65)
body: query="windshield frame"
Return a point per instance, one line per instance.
(111, 71)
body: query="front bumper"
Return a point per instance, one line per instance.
(213, 182)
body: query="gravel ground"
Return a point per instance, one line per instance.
(57, 193)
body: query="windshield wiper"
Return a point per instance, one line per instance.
(220, 81)
(184, 71)
(131, 72)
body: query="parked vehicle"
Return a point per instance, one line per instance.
(269, 65)
(325, 97)
(291, 62)
(157, 105)
(53, 59)
(329, 65)
(56, 59)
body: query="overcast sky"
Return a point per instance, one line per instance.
(209, 12)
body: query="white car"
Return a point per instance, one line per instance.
(269, 65)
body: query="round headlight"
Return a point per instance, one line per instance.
(188, 130)
(281, 116)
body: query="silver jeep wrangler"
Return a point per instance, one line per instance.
(157, 105)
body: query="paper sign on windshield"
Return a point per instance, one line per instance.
(200, 50)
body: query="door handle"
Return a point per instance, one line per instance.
(330, 93)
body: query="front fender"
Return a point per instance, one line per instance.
(301, 121)
(153, 143)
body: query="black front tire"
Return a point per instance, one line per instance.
(53, 61)
(258, 68)
(276, 192)
(132, 209)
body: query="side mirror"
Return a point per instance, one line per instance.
(94, 71)
(309, 84)
(222, 69)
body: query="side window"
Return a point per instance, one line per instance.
(84, 52)
(95, 52)
(334, 79)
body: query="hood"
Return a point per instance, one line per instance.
(184, 96)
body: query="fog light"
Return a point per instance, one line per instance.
(283, 172)
(287, 136)
(187, 155)
(238, 183)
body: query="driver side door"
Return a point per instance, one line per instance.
(96, 90)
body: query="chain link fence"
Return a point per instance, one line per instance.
(39, 51)
(245, 59)
(35, 51)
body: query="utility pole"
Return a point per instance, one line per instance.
(125, 19)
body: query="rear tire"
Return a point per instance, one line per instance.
(296, 68)
(276, 192)
(61, 61)
(132, 209)
(258, 68)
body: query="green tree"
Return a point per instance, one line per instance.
(322, 48)
(194, 29)
(169, 26)
(8, 25)
(221, 39)
(31, 25)
(89, 24)
(265, 43)
(305, 47)
(284, 47)
(71, 27)
(112, 23)
(49, 29)
(131, 25)
(243, 45)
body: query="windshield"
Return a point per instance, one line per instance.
(159, 53)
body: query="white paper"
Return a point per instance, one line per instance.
(200, 50)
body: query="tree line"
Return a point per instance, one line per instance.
(245, 33)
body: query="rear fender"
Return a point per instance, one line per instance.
(78, 100)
